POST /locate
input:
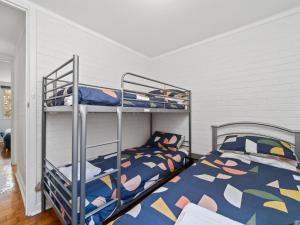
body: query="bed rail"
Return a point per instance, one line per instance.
(60, 80)
(296, 133)
(138, 81)
(141, 82)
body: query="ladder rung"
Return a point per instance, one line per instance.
(106, 143)
(102, 175)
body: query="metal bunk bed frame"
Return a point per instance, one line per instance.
(79, 127)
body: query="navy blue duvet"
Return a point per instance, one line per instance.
(109, 97)
(253, 194)
(141, 168)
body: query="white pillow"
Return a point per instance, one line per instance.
(263, 159)
(180, 142)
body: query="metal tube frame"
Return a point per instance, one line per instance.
(75, 131)
(66, 180)
(119, 153)
(83, 114)
(79, 137)
(296, 133)
(43, 154)
(126, 80)
(190, 123)
(58, 181)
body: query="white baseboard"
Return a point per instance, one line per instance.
(38, 209)
(21, 186)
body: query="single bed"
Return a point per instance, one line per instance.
(141, 168)
(252, 189)
(245, 192)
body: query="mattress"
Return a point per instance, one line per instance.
(109, 97)
(141, 168)
(247, 192)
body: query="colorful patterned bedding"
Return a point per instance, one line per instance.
(109, 97)
(141, 168)
(248, 192)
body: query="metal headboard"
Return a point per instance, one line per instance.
(296, 133)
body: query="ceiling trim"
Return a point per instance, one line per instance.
(267, 20)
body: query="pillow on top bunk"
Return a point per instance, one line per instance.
(259, 145)
(165, 140)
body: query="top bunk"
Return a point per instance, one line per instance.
(62, 92)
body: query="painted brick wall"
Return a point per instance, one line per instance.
(101, 62)
(252, 75)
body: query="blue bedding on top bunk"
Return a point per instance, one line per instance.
(253, 194)
(141, 168)
(109, 97)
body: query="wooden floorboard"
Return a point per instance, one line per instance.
(11, 205)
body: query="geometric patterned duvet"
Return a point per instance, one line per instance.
(140, 168)
(251, 193)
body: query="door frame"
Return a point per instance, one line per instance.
(30, 197)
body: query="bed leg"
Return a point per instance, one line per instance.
(119, 114)
(43, 153)
(43, 204)
(297, 147)
(214, 138)
(75, 130)
(83, 113)
(151, 124)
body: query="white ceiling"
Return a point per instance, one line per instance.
(154, 27)
(12, 24)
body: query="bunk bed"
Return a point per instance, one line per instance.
(71, 197)
(227, 186)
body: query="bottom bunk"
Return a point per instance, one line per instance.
(229, 185)
(142, 167)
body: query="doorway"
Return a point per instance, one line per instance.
(12, 101)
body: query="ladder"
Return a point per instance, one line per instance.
(83, 148)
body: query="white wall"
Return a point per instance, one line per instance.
(19, 110)
(5, 71)
(101, 62)
(5, 124)
(101, 128)
(251, 75)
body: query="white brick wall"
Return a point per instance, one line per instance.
(101, 62)
(248, 75)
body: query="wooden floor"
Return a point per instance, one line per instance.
(11, 204)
